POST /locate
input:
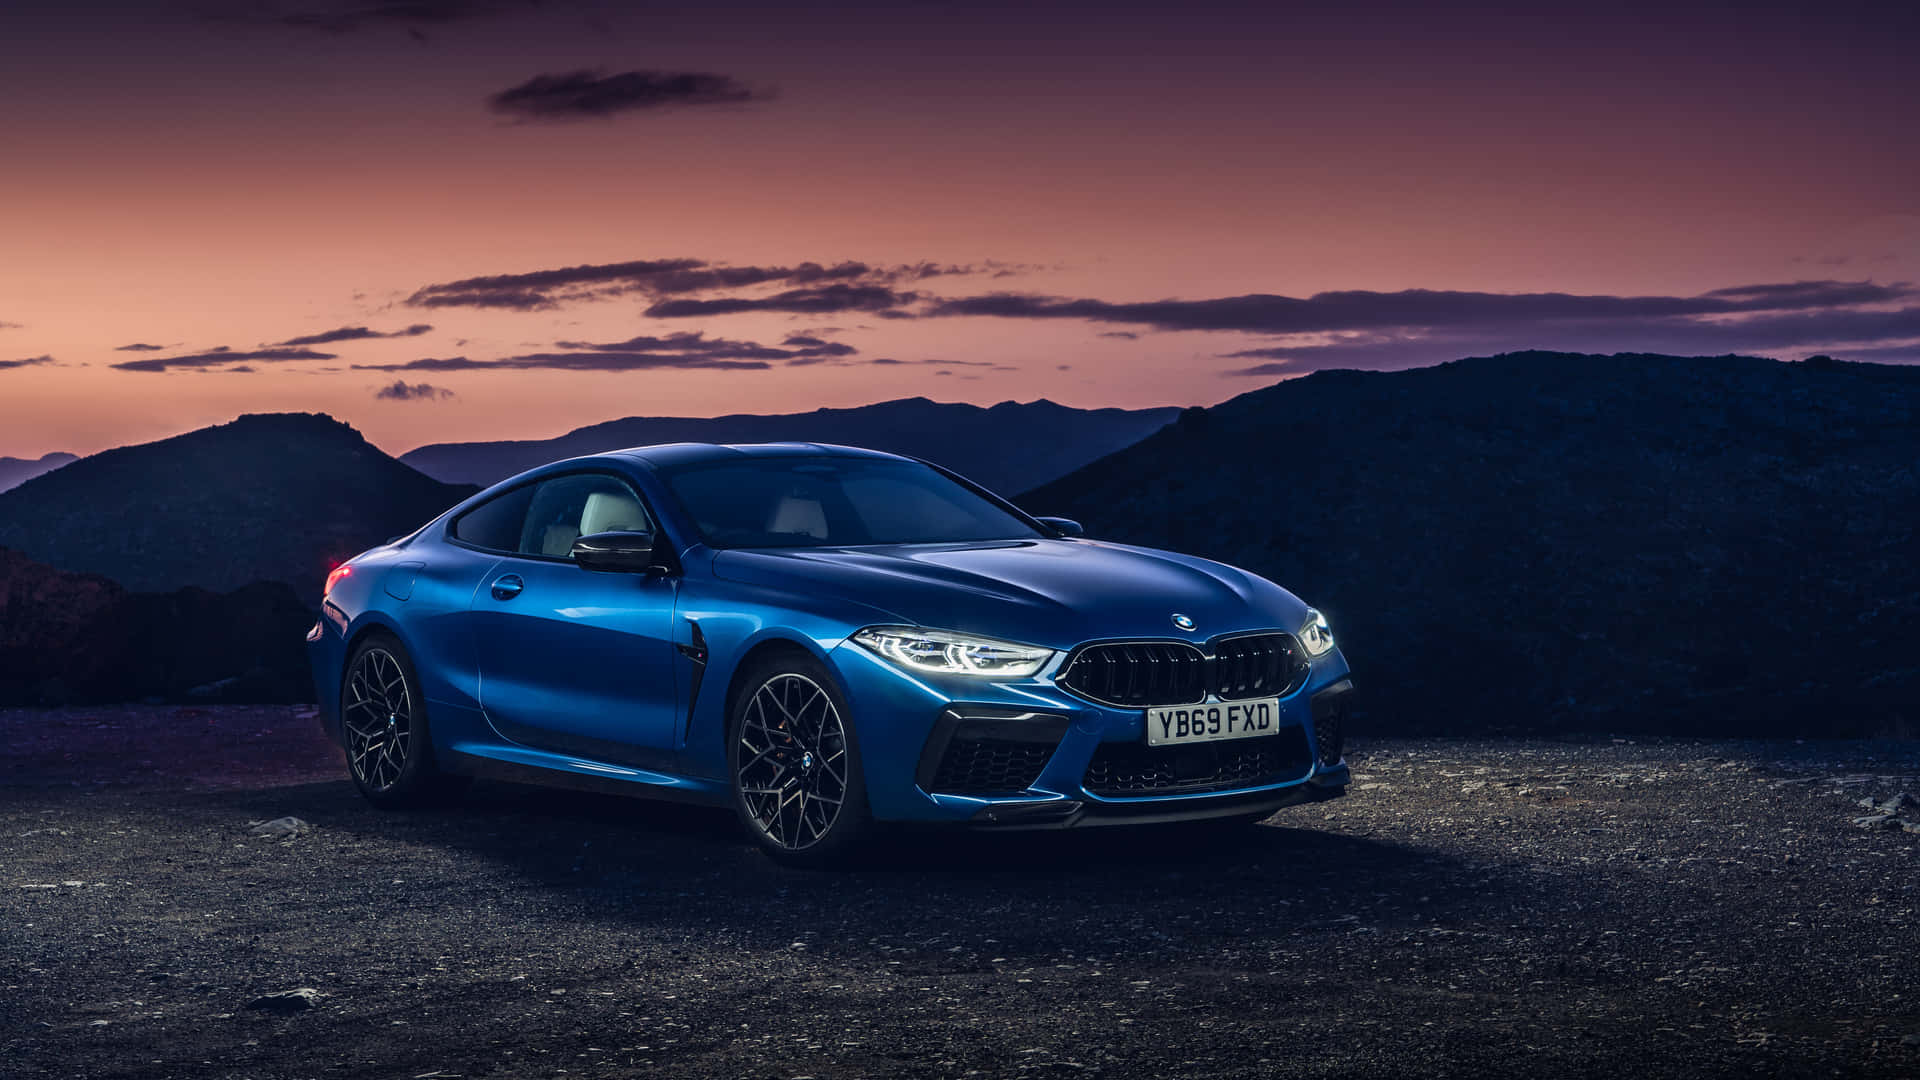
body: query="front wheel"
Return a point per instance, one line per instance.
(383, 726)
(795, 764)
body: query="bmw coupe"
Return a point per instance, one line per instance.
(825, 639)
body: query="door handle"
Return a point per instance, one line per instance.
(507, 587)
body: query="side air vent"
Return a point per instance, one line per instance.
(988, 750)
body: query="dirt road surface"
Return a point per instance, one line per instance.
(1591, 907)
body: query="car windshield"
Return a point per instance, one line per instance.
(767, 502)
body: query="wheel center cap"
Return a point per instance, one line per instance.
(806, 760)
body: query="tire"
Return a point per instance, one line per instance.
(383, 728)
(793, 763)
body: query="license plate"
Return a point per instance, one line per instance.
(1177, 724)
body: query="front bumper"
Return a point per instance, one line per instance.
(1033, 756)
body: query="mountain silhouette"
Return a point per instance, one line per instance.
(16, 471)
(273, 497)
(1009, 447)
(1548, 540)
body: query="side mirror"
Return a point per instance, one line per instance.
(1063, 526)
(615, 552)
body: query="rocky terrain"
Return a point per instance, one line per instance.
(67, 637)
(1597, 907)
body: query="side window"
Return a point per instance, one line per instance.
(566, 508)
(495, 524)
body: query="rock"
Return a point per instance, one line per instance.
(287, 1001)
(1899, 804)
(284, 828)
(214, 688)
(1877, 821)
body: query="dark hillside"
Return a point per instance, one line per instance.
(279, 497)
(1009, 447)
(1552, 540)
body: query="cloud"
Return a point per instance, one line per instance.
(402, 390)
(345, 18)
(1849, 333)
(823, 300)
(684, 351)
(542, 290)
(1366, 310)
(889, 361)
(30, 361)
(356, 333)
(1908, 353)
(4, 325)
(1384, 330)
(577, 95)
(221, 356)
(140, 346)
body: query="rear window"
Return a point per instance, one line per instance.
(495, 524)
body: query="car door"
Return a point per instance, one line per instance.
(572, 660)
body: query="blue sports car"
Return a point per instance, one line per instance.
(825, 639)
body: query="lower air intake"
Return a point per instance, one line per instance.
(1133, 770)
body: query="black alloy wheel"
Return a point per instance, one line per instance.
(383, 727)
(795, 764)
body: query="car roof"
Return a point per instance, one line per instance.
(689, 452)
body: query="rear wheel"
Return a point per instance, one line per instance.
(795, 764)
(383, 726)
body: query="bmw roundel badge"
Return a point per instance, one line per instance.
(1183, 622)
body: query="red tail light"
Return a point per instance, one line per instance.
(334, 577)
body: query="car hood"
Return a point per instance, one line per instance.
(1047, 592)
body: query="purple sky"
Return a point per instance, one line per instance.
(449, 219)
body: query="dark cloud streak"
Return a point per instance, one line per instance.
(684, 351)
(1365, 310)
(222, 356)
(824, 300)
(356, 333)
(346, 18)
(589, 94)
(542, 290)
(402, 390)
(1858, 334)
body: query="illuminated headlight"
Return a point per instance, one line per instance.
(1315, 635)
(944, 652)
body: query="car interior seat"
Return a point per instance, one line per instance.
(796, 515)
(608, 511)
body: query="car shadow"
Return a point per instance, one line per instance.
(690, 872)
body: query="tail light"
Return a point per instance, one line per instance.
(333, 578)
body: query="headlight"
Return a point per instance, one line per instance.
(944, 652)
(1315, 635)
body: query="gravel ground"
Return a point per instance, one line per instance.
(1587, 907)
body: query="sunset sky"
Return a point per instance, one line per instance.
(461, 219)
